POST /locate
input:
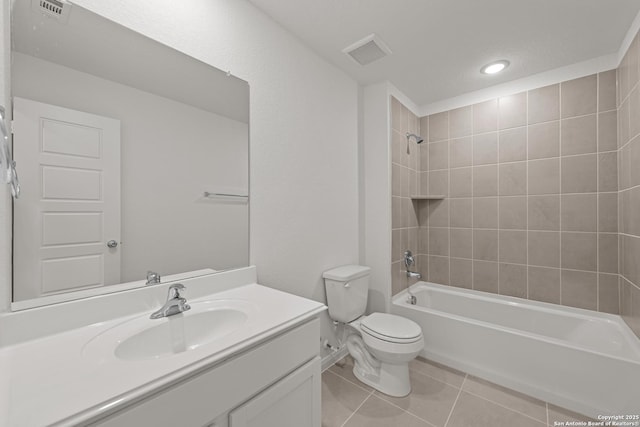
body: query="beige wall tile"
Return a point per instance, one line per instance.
(461, 152)
(632, 213)
(423, 153)
(485, 212)
(579, 96)
(608, 212)
(485, 180)
(424, 127)
(485, 245)
(439, 269)
(512, 212)
(438, 213)
(439, 126)
(544, 248)
(513, 280)
(623, 123)
(579, 289)
(396, 212)
(411, 208)
(485, 116)
(512, 111)
(396, 180)
(608, 131)
(461, 182)
(607, 90)
(461, 243)
(544, 176)
(485, 276)
(544, 213)
(485, 148)
(608, 293)
(439, 182)
(512, 246)
(579, 135)
(438, 155)
(461, 212)
(608, 171)
(512, 179)
(544, 284)
(397, 143)
(439, 241)
(634, 160)
(398, 278)
(423, 242)
(512, 144)
(544, 104)
(580, 174)
(579, 251)
(579, 212)
(460, 122)
(462, 273)
(634, 112)
(608, 253)
(544, 140)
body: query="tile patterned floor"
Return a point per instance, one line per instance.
(440, 397)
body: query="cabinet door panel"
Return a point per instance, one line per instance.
(293, 401)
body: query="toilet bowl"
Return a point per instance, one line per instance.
(381, 344)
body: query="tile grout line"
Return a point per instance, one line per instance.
(356, 410)
(504, 406)
(455, 402)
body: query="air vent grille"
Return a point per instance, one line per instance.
(54, 8)
(368, 50)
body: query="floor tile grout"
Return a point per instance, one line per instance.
(356, 410)
(456, 401)
(506, 407)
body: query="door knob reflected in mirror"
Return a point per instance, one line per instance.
(112, 244)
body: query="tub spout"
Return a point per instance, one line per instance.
(414, 275)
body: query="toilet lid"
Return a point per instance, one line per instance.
(390, 327)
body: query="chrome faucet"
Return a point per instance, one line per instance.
(408, 262)
(153, 278)
(175, 303)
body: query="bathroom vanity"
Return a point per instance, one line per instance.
(254, 362)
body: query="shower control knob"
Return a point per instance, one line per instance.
(112, 244)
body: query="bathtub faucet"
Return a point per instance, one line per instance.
(408, 262)
(414, 275)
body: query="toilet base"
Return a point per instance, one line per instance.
(392, 380)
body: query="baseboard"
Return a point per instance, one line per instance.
(331, 358)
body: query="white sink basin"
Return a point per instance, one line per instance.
(142, 338)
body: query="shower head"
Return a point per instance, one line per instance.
(418, 138)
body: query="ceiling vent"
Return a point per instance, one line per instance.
(367, 50)
(58, 9)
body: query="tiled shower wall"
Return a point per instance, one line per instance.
(405, 167)
(530, 186)
(629, 184)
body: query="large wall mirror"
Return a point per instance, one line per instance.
(132, 157)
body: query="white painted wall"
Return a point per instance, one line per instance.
(303, 151)
(171, 154)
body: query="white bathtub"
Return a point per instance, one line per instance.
(582, 360)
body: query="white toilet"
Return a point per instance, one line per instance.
(381, 344)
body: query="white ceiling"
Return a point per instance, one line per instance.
(439, 45)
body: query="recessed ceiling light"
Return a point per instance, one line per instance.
(494, 67)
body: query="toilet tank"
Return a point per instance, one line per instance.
(347, 291)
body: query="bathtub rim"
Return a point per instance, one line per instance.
(634, 342)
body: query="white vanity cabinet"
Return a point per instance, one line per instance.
(274, 384)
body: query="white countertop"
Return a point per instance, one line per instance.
(56, 380)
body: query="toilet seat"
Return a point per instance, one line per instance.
(391, 328)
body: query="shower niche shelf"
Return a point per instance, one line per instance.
(433, 197)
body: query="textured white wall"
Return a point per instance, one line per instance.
(303, 152)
